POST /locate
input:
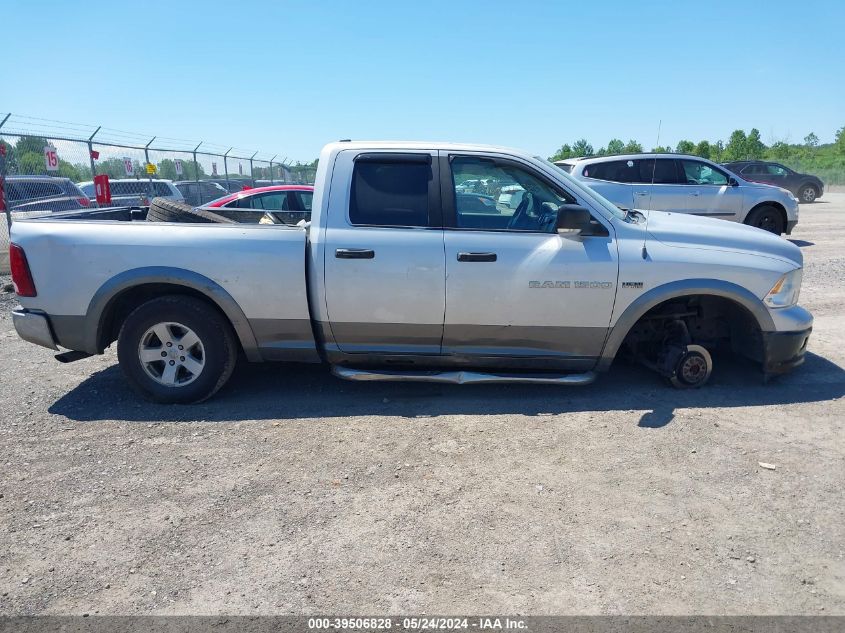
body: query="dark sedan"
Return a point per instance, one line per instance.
(805, 187)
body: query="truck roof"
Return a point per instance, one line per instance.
(422, 145)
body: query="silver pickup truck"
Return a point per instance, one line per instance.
(411, 268)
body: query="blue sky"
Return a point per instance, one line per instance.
(290, 76)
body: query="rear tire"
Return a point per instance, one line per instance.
(808, 194)
(768, 218)
(176, 349)
(164, 210)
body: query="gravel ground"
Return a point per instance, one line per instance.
(294, 492)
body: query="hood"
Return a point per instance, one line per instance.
(749, 184)
(691, 231)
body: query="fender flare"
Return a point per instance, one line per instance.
(674, 290)
(135, 277)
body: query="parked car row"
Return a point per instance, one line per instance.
(687, 184)
(759, 193)
(54, 194)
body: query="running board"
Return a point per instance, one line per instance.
(71, 356)
(460, 377)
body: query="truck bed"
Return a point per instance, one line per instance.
(258, 269)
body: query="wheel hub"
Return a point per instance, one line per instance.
(171, 354)
(693, 369)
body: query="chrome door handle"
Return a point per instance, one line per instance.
(476, 257)
(354, 253)
(694, 193)
(642, 193)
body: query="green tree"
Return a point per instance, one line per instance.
(582, 148)
(811, 140)
(34, 144)
(661, 149)
(564, 152)
(840, 139)
(632, 147)
(754, 147)
(615, 146)
(702, 149)
(685, 147)
(779, 150)
(735, 149)
(167, 170)
(717, 151)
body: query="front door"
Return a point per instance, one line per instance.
(709, 190)
(384, 267)
(515, 286)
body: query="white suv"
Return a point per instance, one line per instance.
(685, 184)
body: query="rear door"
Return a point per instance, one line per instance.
(613, 180)
(385, 277)
(658, 185)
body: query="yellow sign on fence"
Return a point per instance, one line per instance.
(151, 169)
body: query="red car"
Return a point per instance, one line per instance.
(277, 204)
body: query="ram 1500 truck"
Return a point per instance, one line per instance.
(408, 271)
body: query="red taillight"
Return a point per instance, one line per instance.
(21, 277)
(83, 201)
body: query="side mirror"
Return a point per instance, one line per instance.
(733, 182)
(573, 217)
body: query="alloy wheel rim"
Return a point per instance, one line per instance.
(809, 195)
(171, 354)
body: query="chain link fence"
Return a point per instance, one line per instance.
(48, 166)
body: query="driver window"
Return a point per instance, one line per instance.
(702, 174)
(776, 170)
(499, 196)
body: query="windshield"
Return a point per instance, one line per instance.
(587, 193)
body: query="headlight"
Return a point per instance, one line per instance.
(785, 292)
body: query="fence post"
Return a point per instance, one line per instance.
(252, 171)
(3, 204)
(271, 168)
(91, 159)
(226, 166)
(149, 175)
(197, 172)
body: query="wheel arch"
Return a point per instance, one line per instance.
(810, 183)
(679, 290)
(769, 203)
(132, 287)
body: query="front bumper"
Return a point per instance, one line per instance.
(783, 351)
(34, 327)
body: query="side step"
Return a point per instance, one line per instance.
(70, 357)
(460, 377)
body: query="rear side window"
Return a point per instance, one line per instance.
(162, 189)
(662, 171)
(129, 188)
(302, 200)
(391, 193)
(614, 170)
(35, 189)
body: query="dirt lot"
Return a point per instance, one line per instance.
(294, 492)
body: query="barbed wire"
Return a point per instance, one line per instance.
(25, 125)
